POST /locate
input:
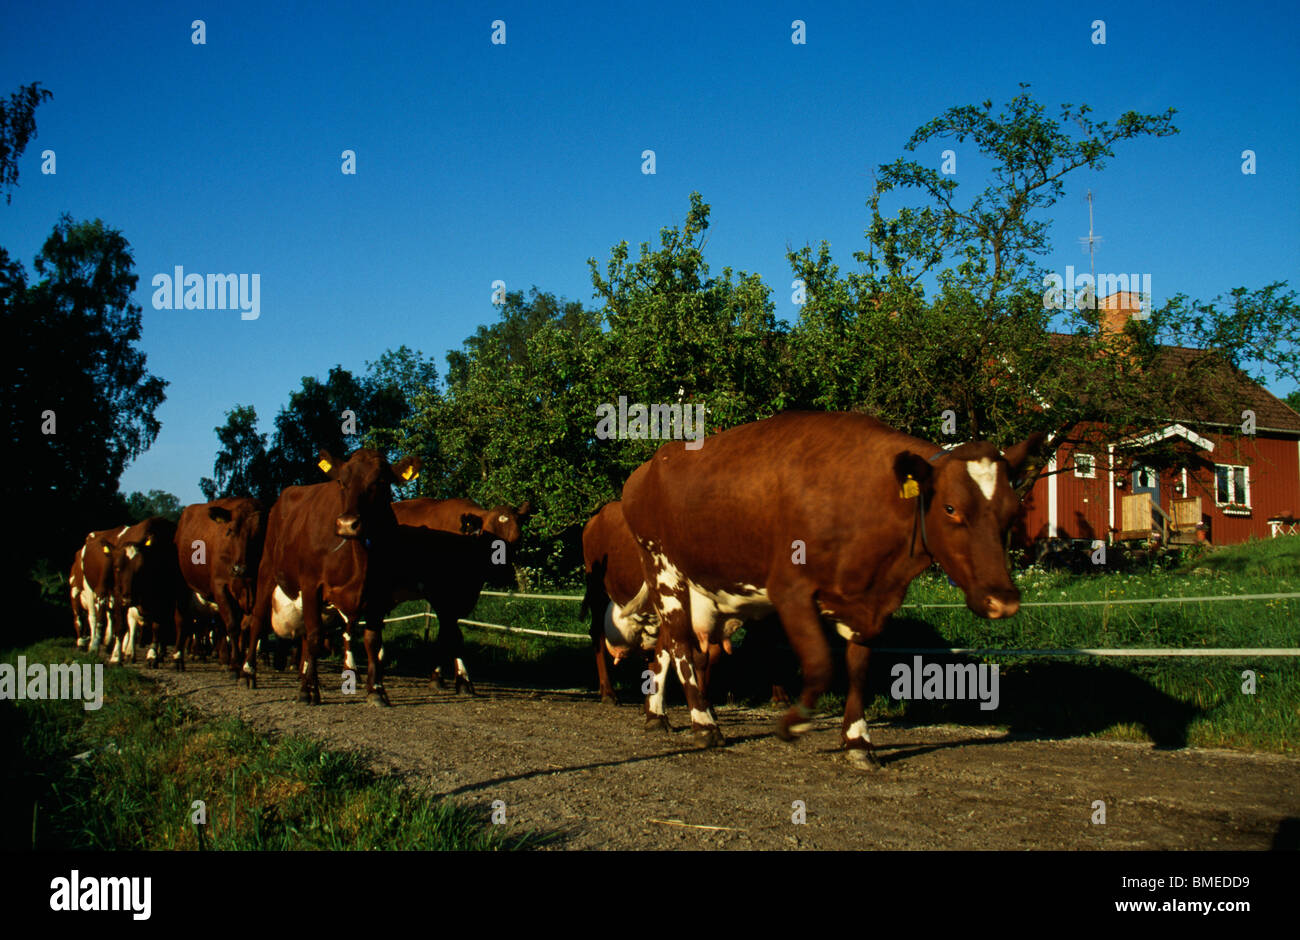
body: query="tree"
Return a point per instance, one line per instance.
(240, 468)
(17, 127)
(79, 403)
(157, 503)
(983, 345)
(1293, 400)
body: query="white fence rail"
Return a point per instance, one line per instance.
(1249, 652)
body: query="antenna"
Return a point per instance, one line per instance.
(1091, 243)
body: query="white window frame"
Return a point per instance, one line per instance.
(1236, 500)
(1092, 466)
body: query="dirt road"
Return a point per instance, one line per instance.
(588, 776)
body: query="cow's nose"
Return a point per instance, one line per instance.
(1001, 607)
(348, 526)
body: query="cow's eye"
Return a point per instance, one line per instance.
(949, 510)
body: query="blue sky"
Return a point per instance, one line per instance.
(478, 162)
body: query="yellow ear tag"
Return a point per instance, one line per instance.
(325, 466)
(148, 541)
(409, 474)
(911, 489)
(107, 551)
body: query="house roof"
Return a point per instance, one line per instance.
(1221, 395)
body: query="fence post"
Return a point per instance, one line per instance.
(426, 621)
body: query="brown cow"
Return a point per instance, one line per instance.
(622, 614)
(815, 516)
(90, 584)
(325, 545)
(500, 528)
(146, 588)
(218, 546)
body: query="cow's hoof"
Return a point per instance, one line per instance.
(304, 696)
(378, 698)
(463, 683)
(82, 643)
(608, 699)
(708, 736)
(655, 723)
(861, 759)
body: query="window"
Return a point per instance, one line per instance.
(1084, 468)
(1231, 485)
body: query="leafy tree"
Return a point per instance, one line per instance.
(80, 402)
(17, 127)
(156, 503)
(1293, 400)
(241, 467)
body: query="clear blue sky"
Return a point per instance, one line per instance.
(518, 162)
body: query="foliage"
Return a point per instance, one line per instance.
(141, 506)
(79, 404)
(17, 128)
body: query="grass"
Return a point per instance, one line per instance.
(129, 774)
(1171, 702)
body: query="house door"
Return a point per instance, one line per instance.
(1146, 480)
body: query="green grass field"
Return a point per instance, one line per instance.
(127, 776)
(1172, 702)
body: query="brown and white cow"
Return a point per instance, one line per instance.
(90, 584)
(499, 531)
(815, 515)
(622, 614)
(218, 547)
(146, 588)
(322, 542)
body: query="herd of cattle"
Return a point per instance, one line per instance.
(812, 518)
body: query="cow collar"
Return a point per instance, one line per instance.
(918, 522)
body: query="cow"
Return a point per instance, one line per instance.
(815, 515)
(448, 570)
(218, 547)
(90, 583)
(326, 548)
(146, 588)
(500, 531)
(618, 601)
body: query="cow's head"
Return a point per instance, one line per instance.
(141, 560)
(969, 502)
(506, 522)
(244, 528)
(365, 482)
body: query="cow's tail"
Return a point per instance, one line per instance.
(594, 598)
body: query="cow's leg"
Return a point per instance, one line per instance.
(793, 599)
(97, 615)
(853, 732)
(448, 647)
(692, 663)
(656, 718)
(607, 696)
(309, 684)
(250, 631)
(374, 642)
(79, 622)
(183, 633)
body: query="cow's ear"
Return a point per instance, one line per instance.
(407, 469)
(327, 463)
(1019, 455)
(524, 510)
(914, 473)
(470, 523)
(219, 514)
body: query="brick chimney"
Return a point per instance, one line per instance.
(1115, 310)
